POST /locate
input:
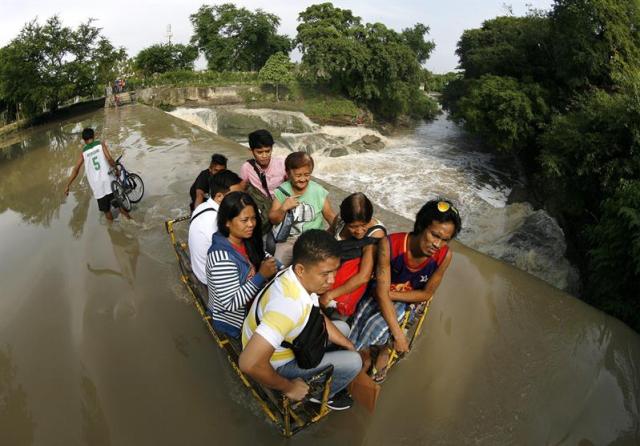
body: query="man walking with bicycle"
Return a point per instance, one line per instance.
(98, 161)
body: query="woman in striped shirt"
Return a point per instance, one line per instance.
(237, 268)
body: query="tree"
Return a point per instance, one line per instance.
(277, 71)
(504, 111)
(588, 150)
(614, 257)
(162, 57)
(370, 63)
(562, 91)
(437, 82)
(327, 40)
(414, 38)
(594, 41)
(517, 47)
(236, 39)
(46, 65)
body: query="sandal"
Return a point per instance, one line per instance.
(379, 374)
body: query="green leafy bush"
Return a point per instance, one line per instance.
(504, 111)
(614, 259)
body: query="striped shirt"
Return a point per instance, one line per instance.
(228, 297)
(283, 312)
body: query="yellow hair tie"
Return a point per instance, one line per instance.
(443, 206)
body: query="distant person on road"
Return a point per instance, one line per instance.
(263, 173)
(204, 220)
(409, 270)
(98, 161)
(200, 187)
(304, 198)
(237, 266)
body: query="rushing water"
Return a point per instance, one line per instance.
(100, 346)
(436, 159)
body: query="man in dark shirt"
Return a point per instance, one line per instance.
(200, 186)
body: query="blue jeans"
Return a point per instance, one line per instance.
(346, 365)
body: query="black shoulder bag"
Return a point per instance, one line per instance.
(202, 212)
(261, 175)
(352, 248)
(310, 345)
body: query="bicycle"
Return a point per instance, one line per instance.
(127, 187)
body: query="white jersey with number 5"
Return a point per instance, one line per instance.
(96, 167)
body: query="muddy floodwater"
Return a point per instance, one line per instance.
(99, 344)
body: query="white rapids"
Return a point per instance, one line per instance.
(436, 159)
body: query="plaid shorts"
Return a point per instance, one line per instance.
(369, 327)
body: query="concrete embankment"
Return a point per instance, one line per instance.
(61, 114)
(191, 96)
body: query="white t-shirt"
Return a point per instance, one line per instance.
(96, 168)
(201, 231)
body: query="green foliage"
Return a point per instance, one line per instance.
(614, 259)
(436, 83)
(326, 38)
(161, 58)
(277, 71)
(563, 90)
(414, 39)
(502, 110)
(517, 47)
(595, 40)
(422, 106)
(587, 151)
(369, 63)
(236, 39)
(330, 107)
(46, 65)
(190, 78)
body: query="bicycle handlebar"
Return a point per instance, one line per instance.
(118, 159)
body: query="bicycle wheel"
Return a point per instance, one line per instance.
(120, 196)
(135, 187)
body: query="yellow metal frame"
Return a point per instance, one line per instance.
(394, 356)
(286, 409)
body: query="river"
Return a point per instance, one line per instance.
(435, 159)
(99, 344)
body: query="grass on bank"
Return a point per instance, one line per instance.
(321, 105)
(317, 103)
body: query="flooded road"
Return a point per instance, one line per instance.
(99, 344)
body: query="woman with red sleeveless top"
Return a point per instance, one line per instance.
(358, 234)
(409, 270)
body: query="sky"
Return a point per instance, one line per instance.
(138, 24)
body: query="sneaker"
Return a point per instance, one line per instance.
(339, 401)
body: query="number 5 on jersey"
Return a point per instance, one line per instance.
(96, 163)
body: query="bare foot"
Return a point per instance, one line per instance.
(125, 214)
(366, 359)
